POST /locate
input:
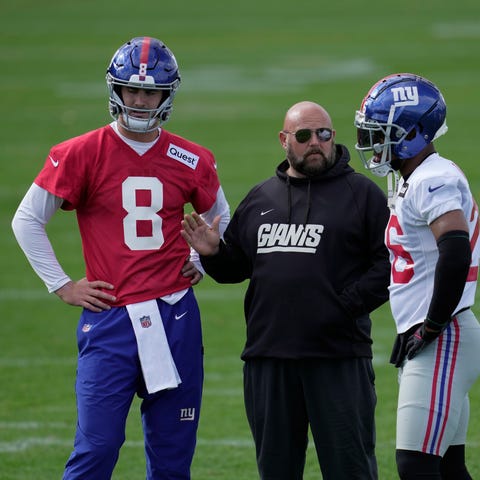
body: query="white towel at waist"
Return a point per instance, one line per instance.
(158, 367)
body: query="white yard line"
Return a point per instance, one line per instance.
(27, 443)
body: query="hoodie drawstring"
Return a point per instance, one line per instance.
(289, 189)
(309, 201)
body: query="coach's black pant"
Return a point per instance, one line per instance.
(336, 397)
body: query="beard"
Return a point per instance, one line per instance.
(309, 166)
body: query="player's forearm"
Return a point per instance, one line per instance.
(450, 276)
(228, 265)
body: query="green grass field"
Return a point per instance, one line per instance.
(243, 64)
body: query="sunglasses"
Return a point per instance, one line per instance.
(304, 134)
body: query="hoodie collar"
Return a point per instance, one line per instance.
(339, 168)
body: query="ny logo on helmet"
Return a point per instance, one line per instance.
(407, 95)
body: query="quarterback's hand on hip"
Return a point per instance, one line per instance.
(89, 295)
(420, 339)
(190, 270)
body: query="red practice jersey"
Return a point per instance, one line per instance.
(129, 207)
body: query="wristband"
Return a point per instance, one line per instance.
(432, 325)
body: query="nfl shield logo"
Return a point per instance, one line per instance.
(145, 321)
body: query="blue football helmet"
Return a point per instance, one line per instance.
(146, 63)
(400, 115)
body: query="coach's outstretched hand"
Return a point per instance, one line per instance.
(205, 239)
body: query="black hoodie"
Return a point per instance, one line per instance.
(313, 249)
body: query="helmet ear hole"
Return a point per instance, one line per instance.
(412, 134)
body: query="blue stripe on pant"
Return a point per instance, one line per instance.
(108, 377)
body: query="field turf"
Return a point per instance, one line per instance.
(242, 64)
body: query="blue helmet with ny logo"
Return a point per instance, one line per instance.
(145, 63)
(399, 116)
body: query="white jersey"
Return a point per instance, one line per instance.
(435, 187)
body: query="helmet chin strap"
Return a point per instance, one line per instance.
(139, 125)
(392, 184)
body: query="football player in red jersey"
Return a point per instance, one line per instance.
(139, 330)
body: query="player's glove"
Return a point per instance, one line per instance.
(423, 337)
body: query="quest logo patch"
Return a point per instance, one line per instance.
(183, 156)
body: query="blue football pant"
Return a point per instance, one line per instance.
(108, 377)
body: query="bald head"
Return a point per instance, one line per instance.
(305, 113)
